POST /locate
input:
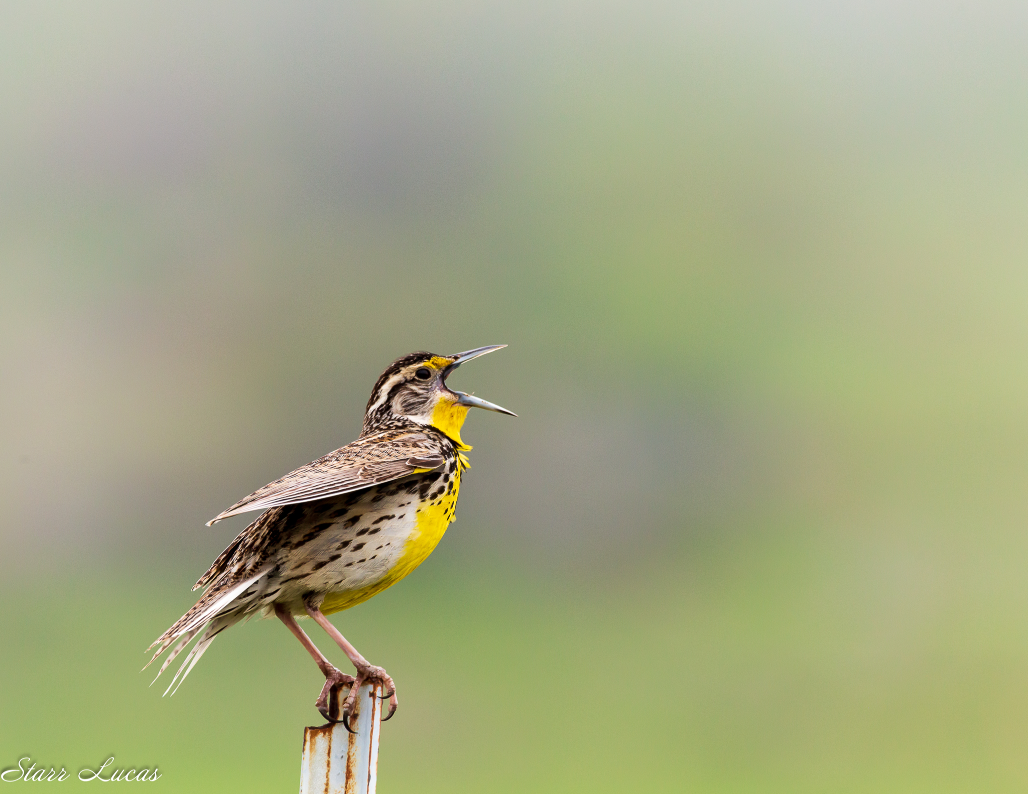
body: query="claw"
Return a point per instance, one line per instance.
(351, 702)
(393, 702)
(328, 702)
(328, 706)
(384, 680)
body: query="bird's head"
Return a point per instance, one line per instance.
(414, 388)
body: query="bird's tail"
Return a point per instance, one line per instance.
(217, 610)
(213, 628)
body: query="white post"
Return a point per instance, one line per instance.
(337, 761)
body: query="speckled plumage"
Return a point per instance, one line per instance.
(344, 527)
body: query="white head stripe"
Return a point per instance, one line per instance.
(384, 391)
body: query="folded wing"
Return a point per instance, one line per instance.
(367, 462)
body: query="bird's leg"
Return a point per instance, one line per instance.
(365, 670)
(327, 702)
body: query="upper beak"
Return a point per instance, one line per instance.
(465, 399)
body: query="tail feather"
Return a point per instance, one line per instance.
(216, 626)
(217, 610)
(166, 640)
(174, 652)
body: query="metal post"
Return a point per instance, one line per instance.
(337, 761)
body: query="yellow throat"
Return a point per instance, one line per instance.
(448, 417)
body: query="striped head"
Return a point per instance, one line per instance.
(414, 389)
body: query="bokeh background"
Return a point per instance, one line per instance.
(761, 522)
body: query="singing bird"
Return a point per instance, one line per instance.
(339, 530)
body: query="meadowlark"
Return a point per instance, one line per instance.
(341, 529)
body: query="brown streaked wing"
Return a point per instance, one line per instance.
(366, 462)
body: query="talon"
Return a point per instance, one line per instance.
(393, 701)
(328, 707)
(364, 675)
(328, 702)
(348, 705)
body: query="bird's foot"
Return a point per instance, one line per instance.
(328, 702)
(374, 675)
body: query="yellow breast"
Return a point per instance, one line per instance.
(431, 522)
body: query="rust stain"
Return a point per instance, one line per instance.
(373, 743)
(328, 767)
(350, 780)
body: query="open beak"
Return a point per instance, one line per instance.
(463, 398)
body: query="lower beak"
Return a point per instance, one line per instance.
(464, 399)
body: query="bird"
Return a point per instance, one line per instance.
(337, 531)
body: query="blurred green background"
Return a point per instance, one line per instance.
(761, 522)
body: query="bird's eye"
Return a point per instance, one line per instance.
(423, 373)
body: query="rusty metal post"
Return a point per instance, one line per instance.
(337, 761)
